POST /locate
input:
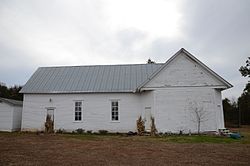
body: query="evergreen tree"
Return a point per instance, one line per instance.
(244, 105)
(245, 70)
(11, 93)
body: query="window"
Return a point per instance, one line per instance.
(78, 110)
(114, 111)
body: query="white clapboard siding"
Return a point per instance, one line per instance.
(96, 111)
(5, 117)
(183, 71)
(10, 117)
(174, 109)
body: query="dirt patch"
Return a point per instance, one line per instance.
(32, 149)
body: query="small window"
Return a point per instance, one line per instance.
(114, 111)
(78, 110)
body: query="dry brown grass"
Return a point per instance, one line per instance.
(32, 149)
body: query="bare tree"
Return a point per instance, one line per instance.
(199, 114)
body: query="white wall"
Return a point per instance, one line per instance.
(170, 107)
(180, 83)
(96, 111)
(219, 110)
(174, 109)
(5, 117)
(183, 71)
(17, 118)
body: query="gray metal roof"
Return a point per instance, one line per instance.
(88, 79)
(11, 102)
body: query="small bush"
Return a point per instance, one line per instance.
(60, 131)
(103, 132)
(140, 126)
(153, 130)
(89, 131)
(131, 133)
(160, 133)
(38, 132)
(168, 133)
(80, 131)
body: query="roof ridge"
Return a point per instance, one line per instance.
(102, 65)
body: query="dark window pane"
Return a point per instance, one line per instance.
(78, 111)
(114, 103)
(114, 111)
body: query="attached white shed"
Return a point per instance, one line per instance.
(10, 114)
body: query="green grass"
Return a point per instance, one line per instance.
(197, 139)
(167, 139)
(246, 138)
(245, 132)
(91, 136)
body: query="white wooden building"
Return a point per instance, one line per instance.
(10, 114)
(112, 97)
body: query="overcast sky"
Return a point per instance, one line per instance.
(93, 32)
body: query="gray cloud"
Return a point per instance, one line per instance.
(46, 33)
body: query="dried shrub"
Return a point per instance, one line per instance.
(80, 131)
(140, 126)
(49, 124)
(103, 132)
(153, 130)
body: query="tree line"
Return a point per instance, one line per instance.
(238, 112)
(11, 92)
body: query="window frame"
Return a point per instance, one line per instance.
(118, 110)
(78, 111)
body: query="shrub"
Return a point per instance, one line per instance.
(60, 131)
(160, 134)
(168, 133)
(89, 131)
(130, 133)
(80, 131)
(140, 126)
(153, 130)
(103, 132)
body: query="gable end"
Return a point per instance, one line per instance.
(183, 69)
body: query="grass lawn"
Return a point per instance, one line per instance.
(86, 149)
(245, 132)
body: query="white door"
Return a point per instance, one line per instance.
(50, 112)
(147, 118)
